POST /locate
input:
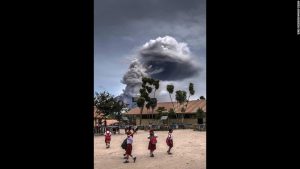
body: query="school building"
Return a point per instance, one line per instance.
(100, 117)
(189, 115)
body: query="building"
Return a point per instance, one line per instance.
(189, 115)
(99, 117)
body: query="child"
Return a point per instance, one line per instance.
(169, 141)
(129, 147)
(152, 143)
(107, 138)
(127, 130)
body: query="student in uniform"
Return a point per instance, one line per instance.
(107, 138)
(169, 140)
(152, 143)
(129, 147)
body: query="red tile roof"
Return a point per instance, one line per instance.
(110, 122)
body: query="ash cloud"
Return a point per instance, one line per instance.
(133, 81)
(167, 59)
(163, 58)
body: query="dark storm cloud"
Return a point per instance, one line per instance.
(122, 25)
(139, 20)
(120, 11)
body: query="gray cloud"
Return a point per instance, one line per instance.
(116, 11)
(166, 59)
(132, 22)
(133, 81)
(163, 58)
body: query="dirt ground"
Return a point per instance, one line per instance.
(189, 151)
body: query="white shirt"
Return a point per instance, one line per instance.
(154, 136)
(170, 136)
(129, 140)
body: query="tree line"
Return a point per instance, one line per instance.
(112, 106)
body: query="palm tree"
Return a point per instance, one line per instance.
(149, 89)
(170, 89)
(192, 92)
(153, 104)
(148, 107)
(156, 85)
(141, 103)
(146, 90)
(181, 98)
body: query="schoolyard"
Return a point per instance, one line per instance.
(189, 151)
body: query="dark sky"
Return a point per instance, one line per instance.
(121, 26)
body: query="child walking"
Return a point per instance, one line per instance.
(169, 141)
(152, 143)
(124, 144)
(107, 138)
(129, 147)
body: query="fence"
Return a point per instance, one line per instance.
(101, 130)
(200, 127)
(161, 127)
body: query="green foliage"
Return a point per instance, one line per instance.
(191, 89)
(153, 102)
(104, 102)
(145, 80)
(200, 113)
(145, 91)
(142, 91)
(150, 81)
(156, 84)
(170, 89)
(158, 116)
(149, 89)
(181, 96)
(141, 102)
(118, 106)
(171, 113)
(111, 107)
(148, 106)
(161, 109)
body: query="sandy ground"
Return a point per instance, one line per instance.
(189, 151)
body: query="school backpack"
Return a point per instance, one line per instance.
(124, 144)
(153, 140)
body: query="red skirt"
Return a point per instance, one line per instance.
(169, 143)
(151, 146)
(129, 149)
(107, 139)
